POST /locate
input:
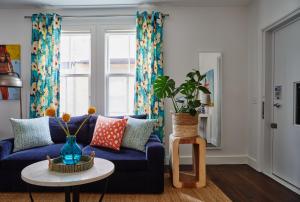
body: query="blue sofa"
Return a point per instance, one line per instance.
(135, 171)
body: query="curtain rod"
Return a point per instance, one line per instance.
(97, 16)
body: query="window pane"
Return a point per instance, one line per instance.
(118, 53)
(121, 95)
(80, 47)
(121, 60)
(74, 95)
(132, 53)
(75, 59)
(64, 48)
(75, 53)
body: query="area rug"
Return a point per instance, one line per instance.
(211, 193)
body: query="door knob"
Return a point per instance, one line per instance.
(274, 125)
(277, 105)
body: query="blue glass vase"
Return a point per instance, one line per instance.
(71, 152)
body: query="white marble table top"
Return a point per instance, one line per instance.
(38, 174)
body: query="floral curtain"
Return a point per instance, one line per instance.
(45, 63)
(149, 65)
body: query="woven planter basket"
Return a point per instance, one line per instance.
(185, 125)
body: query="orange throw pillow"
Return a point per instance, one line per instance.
(109, 132)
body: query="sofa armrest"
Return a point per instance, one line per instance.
(6, 147)
(155, 154)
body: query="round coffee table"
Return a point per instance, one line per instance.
(38, 174)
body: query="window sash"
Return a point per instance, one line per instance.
(75, 75)
(109, 74)
(107, 56)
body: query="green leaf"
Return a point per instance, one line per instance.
(202, 77)
(187, 88)
(175, 92)
(190, 75)
(203, 89)
(164, 87)
(197, 103)
(192, 112)
(198, 74)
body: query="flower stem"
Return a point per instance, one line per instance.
(67, 128)
(61, 125)
(82, 124)
(175, 105)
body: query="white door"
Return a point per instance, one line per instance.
(286, 84)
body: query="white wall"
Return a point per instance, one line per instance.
(221, 29)
(187, 31)
(15, 30)
(261, 13)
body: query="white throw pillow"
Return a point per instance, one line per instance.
(31, 133)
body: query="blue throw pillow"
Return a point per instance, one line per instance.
(31, 133)
(58, 135)
(137, 133)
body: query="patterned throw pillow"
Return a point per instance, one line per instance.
(31, 133)
(137, 133)
(109, 132)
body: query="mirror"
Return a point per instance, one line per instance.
(210, 110)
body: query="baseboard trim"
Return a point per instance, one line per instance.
(252, 162)
(284, 183)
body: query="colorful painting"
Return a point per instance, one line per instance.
(210, 84)
(10, 61)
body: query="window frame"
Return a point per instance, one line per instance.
(108, 74)
(88, 76)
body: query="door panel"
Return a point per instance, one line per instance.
(286, 138)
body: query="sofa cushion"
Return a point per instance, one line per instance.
(124, 160)
(31, 133)
(137, 133)
(93, 120)
(109, 132)
(59, 136)
(21, 159)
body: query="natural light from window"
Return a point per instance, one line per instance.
(75, 72)
(120, 72)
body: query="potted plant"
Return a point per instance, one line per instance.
(185, 99)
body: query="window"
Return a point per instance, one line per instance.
(120, 72)
(75, 72)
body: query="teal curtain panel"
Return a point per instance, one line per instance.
(45, 63)
(149, 65)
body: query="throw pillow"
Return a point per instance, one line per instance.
(31, 133)
(109, 132)
(137, 133)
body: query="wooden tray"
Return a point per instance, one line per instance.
(85, 163)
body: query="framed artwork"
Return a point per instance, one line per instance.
(10, 61)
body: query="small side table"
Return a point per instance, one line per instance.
(198, 177)
(39, 175)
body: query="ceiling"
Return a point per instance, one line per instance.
(116, 3)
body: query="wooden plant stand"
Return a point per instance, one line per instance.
(182, 179)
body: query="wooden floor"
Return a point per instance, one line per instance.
(238, 183)
(243, 183)
(211, 193)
